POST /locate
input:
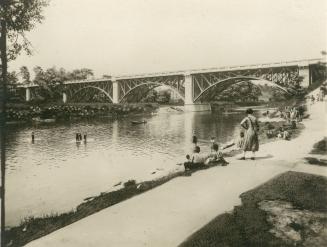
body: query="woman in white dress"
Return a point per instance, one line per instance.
(251, 141)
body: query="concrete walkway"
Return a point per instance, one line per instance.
(168, 214)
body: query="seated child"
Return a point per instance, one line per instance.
(270, 133)
(197, 160)
(286, 135)
(217, 157)
(283, 133)
(239, 143)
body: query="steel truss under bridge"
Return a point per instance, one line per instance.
(85, 90)
(127, 87)
(281, 77)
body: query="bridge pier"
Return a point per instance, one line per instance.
(305, 72)
(27, 94)
(64, 97)
(115, 92)
(189, 105)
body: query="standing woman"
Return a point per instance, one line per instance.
(251, 141)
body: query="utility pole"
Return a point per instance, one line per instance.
(3, 98)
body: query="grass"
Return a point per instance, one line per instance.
(247, 225)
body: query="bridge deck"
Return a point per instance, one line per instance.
(303, 63)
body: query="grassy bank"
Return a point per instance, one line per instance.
(301, 222)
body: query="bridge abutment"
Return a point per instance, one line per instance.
(189, 105)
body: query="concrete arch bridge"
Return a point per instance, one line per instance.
(191, 86)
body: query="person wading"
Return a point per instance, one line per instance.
(251, 141)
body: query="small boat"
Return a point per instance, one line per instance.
(40, 120)
(139, 122)
(15, 122)
(176, 108)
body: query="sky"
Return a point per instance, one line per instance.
(116, 37)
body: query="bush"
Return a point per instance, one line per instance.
(130, 183)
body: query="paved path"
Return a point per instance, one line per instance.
(168, 214)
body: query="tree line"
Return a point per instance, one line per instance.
(49, 80)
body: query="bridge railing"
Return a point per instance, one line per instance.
(303, 62)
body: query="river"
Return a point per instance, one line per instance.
(54, 174)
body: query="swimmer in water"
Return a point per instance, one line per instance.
(194, 139)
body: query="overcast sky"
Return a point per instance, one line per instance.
(135, 36)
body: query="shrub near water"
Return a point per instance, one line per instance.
(25, 112)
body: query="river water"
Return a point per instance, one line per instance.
(54, 174)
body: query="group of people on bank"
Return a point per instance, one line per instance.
(248, 141)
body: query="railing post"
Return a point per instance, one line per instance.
(115, 91)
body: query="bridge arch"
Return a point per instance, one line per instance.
(94, 87)
(234, 80)
(154, 84)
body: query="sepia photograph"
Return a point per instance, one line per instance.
(163, 123)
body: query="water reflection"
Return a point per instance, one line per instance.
(55, 174)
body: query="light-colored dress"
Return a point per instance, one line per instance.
(251, 141)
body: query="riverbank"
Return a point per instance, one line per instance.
(20, 113)
(179, 208)
(289, 210)
(36, 227)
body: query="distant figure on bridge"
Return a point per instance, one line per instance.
(85, 137)
(251, 140)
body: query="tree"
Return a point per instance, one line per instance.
(25, 74)
(243, 91)
(16, 18)
(80, 74)
(21, 16)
